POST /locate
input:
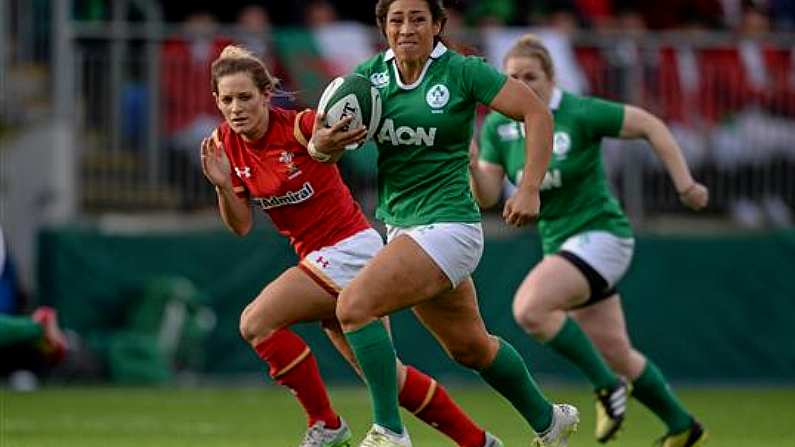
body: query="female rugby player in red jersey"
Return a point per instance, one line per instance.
(258, 156)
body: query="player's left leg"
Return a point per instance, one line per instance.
(605, 324)
(454, 319)
(554, 285)
(424, 397)
(291, 298)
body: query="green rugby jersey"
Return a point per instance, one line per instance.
(575, 196)
(424, 134)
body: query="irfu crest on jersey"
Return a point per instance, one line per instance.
(380, 80)
(561, 145)
(437, 97)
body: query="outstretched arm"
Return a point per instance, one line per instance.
(639, 123)
(517, 101)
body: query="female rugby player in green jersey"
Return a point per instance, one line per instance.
(435, 240)
(569, 300)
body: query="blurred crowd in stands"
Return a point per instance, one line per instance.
(721, 73)
(686, 78)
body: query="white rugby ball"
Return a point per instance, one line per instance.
(352, 95)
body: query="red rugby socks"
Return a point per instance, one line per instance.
(292, 365)
(428, 400)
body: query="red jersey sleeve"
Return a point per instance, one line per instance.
(304, 124)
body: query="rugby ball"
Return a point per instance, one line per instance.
(352, 95)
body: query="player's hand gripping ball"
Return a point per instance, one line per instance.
(354, 96)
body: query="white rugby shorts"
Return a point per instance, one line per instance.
(334, 267)
(456, 247)
(605, 252)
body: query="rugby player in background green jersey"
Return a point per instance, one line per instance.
(569, 300)
(435, 239)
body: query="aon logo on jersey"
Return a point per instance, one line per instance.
(405, 135)
(552, 179)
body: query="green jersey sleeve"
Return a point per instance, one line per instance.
(488, 140)
(481, 80)
(603, 118)
(366, 68)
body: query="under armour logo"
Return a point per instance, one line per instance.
(323, 263)
(245, 171)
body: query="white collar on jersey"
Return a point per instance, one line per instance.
(554, 100)
(437, 52)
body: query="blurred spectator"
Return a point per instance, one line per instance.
(186, 60)
(342, 44)
(598, 14)
(90, 10)
(488, 13)
(559, 23)
(732, 12)
(672, 13)
(559, 27)
(254, 27)
(320, 13)
(189, 111)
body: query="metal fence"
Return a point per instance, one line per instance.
(137, 97)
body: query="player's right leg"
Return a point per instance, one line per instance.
(291, 298)
(424, 397)
(398, 276)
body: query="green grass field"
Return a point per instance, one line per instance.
(268, 417)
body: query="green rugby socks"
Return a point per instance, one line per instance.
(651, 389)
(376, 356)
(572, 343)
(508, 375)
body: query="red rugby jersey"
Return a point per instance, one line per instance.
(306, 200)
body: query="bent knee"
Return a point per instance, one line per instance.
(354, 310)
(530, 315)
(475, 354)
(253, 330)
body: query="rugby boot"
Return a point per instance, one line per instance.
(565, 419)
(611, 404)
(319, 436)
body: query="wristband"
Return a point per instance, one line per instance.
(314, 153)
